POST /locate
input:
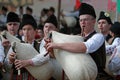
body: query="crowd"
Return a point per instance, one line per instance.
(25, 27)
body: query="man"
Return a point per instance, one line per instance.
(29, 10)
(94, 42)
(28, 26)
(104, 24)
(12, 23)
(21, 12)
(3, 16)
(40, 59)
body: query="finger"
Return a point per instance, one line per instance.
(18, 66)
(17, 62)
(12, 55)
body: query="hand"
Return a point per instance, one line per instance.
(49, 47)
(6, 43)
(12, 57)
(22, 63)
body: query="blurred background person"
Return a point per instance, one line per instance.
(3, 16)
(104, 24)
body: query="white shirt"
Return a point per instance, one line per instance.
(2, 54)
(110, 48)
(40, 58)
(94, 43)
(114, 64)
(3, 19)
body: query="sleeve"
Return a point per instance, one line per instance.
(40, 58)
(114, 64)
(7, 59)
(2, 54)
(94, 43)
(110, 48)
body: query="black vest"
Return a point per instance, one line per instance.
(108, 37)
(98, 56)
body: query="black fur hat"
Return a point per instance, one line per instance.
(28, 19)
(4, 8)
(52, 19)
(87, 9)
(29, 9)
(12, 17)
(115, 28)
(106, 16)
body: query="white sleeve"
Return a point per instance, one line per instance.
(2, 54)
(110, 48)
(9, 51)
(94, 43)
(114, 64)
(40, 58)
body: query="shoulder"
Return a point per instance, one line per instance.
(98, 36)
(117, 39)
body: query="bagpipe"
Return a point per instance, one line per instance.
(77, 66)
(26, 51)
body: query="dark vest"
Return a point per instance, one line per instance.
(98, 56)
(36, 45)
(108, 37)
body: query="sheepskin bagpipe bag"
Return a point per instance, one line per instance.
(6, 35)
(26, 51)
(77, 66)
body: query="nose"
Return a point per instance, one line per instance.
(99, 25)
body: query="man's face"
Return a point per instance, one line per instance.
(27, 31)
(13, 27)
(48, 27)
(87, 22)
(103, 26)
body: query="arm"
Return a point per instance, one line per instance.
(114, 64)
(35, 61)
(40, 58)
(2, 54)
(71, 47)
(80, 47)
(110, 48)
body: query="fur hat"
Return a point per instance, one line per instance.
(12, 17)
(28, 19)
(52, 19)
(106, 16)
(4, 8)
(87, 9)
(115, 28)
(29, 9)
